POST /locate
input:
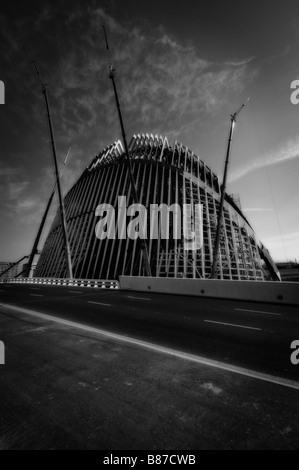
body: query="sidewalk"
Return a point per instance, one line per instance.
(63, 388)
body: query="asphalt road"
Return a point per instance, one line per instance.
(247, 334)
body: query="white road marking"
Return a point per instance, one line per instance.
(75, 292)
(257, 311)
(99, 303)
(232, 324)
(138, 298)
(36, 295)
(164, 350)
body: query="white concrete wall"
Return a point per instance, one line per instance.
(276, 292)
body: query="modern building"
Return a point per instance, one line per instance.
(164, 174)
(10, 269)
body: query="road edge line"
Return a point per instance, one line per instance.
(162, 349)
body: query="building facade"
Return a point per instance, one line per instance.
(164, 174)
(10, 269)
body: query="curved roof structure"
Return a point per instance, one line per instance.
(164, 174)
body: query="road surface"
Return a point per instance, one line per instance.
(254, 336)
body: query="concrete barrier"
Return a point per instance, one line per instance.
(272, 292)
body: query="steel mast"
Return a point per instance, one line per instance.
(36, 241)
(129, 163)
(61, 205)
(223, 188)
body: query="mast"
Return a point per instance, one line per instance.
(61, 205)
(223, 189)
(112, 70)
(36, 241)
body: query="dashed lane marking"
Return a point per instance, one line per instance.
(257, 311)
(98, 303)
(233, 325)
(164, 350)
(137, 298)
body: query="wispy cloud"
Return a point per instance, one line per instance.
(47, 13)
(22, 201)
(9, 171)
(288, 239)
(164, 85)
(288, 151)
(16, 189)
(283, 247)
(280, 55)
(257, 209)
(240, 62)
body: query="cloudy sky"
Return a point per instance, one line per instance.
(182, 68)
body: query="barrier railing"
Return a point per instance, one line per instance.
(98, 283)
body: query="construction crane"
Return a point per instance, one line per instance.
(223, 189)
(112, 70)
(27, 269)
(61, 205)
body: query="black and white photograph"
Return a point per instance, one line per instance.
(149, 228)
